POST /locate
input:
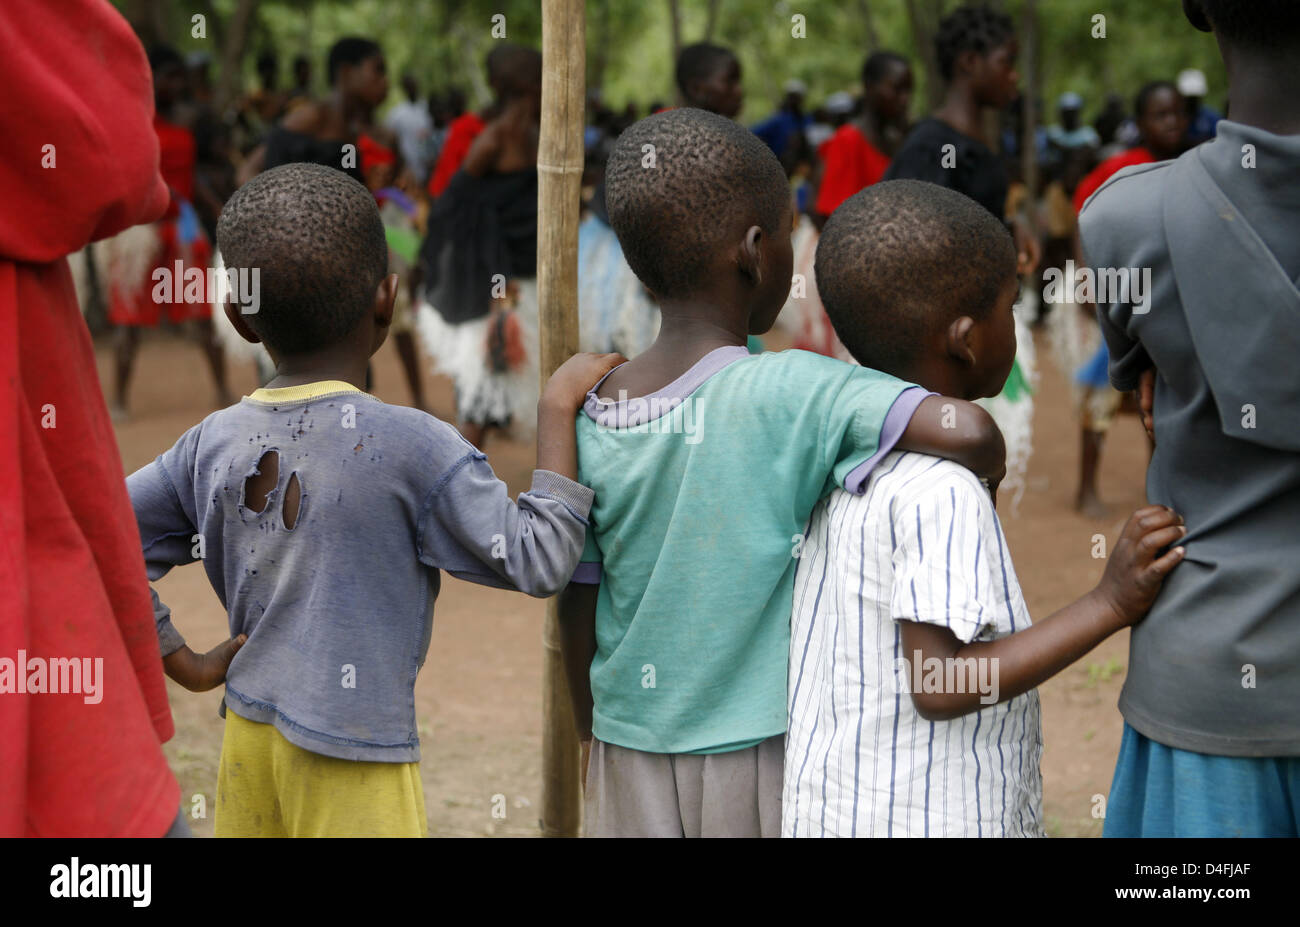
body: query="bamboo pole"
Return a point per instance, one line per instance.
(559, 196)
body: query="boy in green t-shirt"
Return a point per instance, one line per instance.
(704, 482)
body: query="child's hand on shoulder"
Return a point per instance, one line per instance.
(200, 672)
(1134, 574)
(568, 386)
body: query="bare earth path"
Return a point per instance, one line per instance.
(479, 696)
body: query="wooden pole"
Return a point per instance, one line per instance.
(559, 196)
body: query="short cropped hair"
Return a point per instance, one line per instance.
(699, 61)
(352, 51)
(708, 178)
(878, 64)
(903, 258)
(315, 237)
(970, 28)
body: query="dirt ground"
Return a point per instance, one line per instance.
(479, 697)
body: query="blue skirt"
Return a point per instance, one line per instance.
(1163, 792)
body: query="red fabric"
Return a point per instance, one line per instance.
(132, 302)
(1103, 172)
(72, 581)
(460, 135)
(176, 155)
(850, 163)
(135, 304)
(374, 153)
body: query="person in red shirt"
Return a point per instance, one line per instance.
(133, 260)
(460, 136)
(466, 127)
(855, 157)
(1161, 121)
(80, 163)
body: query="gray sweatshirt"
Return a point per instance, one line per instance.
(338, 609)
(1215, 667)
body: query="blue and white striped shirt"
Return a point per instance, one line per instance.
(922, 543)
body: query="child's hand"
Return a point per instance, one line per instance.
(200, 672)
(567, 388)
(1133, 573)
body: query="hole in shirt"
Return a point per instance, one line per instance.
(292, 498)
(260, 485)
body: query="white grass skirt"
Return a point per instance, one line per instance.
(232, 343)
(483, 396)
(1016, 417)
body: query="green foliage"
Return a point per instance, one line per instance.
(629, 42)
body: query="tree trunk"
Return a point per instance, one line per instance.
(602, 45)
(232, 55)
(712, 22)
(1029, 108)
(676, 14)
(871, 36)
(924, 16)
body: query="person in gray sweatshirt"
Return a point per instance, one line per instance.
(324, 517)
(1206, 328)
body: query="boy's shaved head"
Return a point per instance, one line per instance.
(702, 183)
(904, 259)
(315, 236)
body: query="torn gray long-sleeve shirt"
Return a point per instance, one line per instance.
(338, 608)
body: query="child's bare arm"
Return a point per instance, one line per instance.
(960, 431)
(200, 672)
(1027, 658)
(557, 442)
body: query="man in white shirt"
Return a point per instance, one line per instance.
(412, 124)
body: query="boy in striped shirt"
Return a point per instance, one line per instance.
(912, 661)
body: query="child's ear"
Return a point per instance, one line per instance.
(961, 340)
(385, 294)
(236, 319)
(750, 256)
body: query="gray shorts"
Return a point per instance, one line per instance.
(635, 794)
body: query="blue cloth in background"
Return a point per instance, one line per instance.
(1096, 372)
(187, 223)
(1160, 791)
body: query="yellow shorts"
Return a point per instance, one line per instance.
(268, 787)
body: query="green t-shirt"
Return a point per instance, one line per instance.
(703, 491)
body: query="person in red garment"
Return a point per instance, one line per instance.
(469, 125)
(1158, 110)
(857, 155)
(79, 163)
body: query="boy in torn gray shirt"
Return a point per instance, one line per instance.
(323, 516)
(1212, 700)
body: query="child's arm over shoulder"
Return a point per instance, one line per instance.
(472, 529)
(871, 413)
(163, 499)
(948, 586)
(961, 431)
